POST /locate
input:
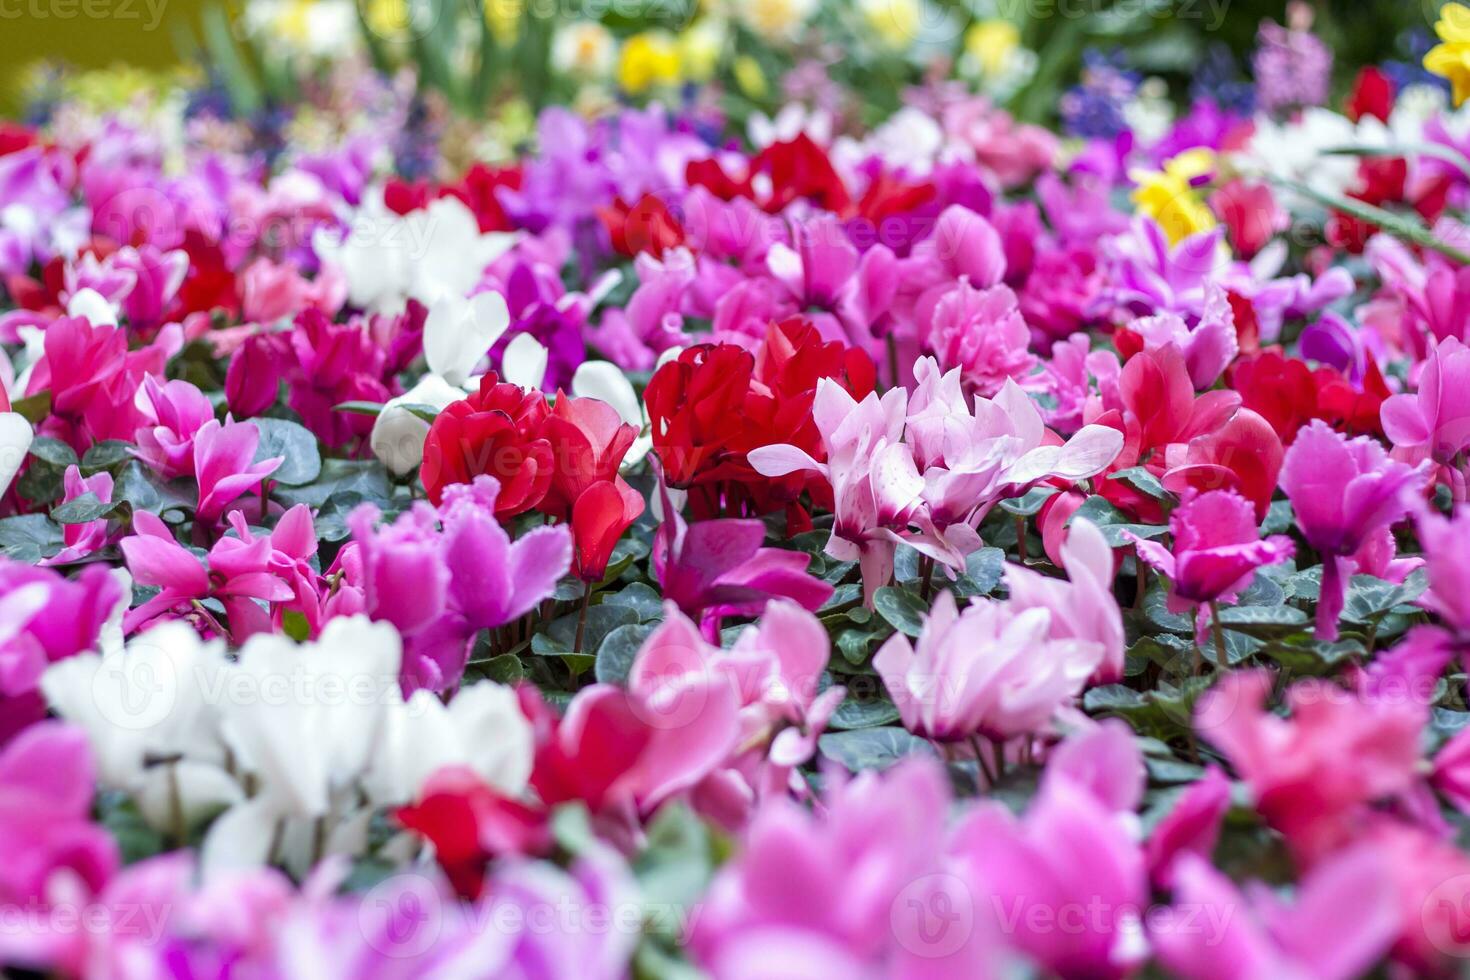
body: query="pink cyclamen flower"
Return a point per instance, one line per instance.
(1343, 490)
(1446, 543)
(1192, 827)
(1217, 549)
(53, 855)
(1434, 422)
(224, 464)
(1208, 347)
(980, 331)
(1071, 851)
(46, 617)
(1313, 775)
(238, 574)
(718, 568)
(828, 894)
(82, 539)
(1256, 934)
(177, 411)
(440, 576)
(1082, 605)
(992, 670)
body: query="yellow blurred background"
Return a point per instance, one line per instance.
(88, 34)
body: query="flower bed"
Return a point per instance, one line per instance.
(685, 542)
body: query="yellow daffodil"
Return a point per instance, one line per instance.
(1169, 196)
(1451, 57)
(648, 60)
(991, 43)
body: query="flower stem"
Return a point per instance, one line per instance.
(582, 618)
(1219, 632)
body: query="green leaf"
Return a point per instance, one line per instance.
(561, 634)
(1368, 598)
(903, 610)
(1143, 481)
(80, 510)
(1263, 621)
(616, 652)
(143, 490)
(1029, 503)
(33, 409)
(641, 598)
(853, 714)
(302, 461)
(983, 570)
(872, 748)
(29, 537)
(53, 451)
(853, 645)
(105, 455)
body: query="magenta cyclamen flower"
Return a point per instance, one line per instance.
(718, 568)
(1446, 544)
(991, 670)
(44, 618)
(224, 464)
(178, 411)
(239, 574)
(441, 576)
(1343, 491)
(1217, 548)
(52, 850)
(82, 539)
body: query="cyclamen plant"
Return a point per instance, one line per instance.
(925, 550)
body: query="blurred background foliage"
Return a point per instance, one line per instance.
(474, 56)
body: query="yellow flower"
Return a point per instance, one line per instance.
(895, 22)
(776, 20)
(1169, 196)
(649, 59)
(991, 43)
(504, 19)
(1451, 57)
(750, 78)
(700, 47)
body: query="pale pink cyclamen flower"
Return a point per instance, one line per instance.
(834, 893)
(1208, 347)
(1082, 605)
(992, 670)
(1343, 491)
(1216, 550)
(981, 332)
(748, 746)
(1434, 422)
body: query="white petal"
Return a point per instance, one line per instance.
(524, 363)
(15, 442)
(90, 304)
(606, 382)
